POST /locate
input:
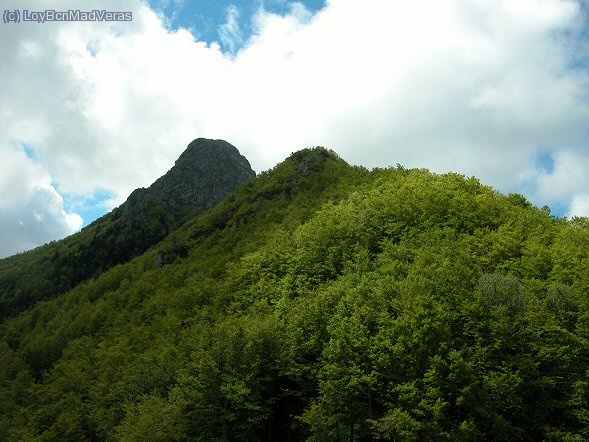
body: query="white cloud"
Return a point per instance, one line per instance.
(31, 210)
(567, 183)
(475, 87)
(580, 205)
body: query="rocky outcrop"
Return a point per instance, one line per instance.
(205, 173)
(202, 176)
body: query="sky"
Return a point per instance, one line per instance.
(90, 111)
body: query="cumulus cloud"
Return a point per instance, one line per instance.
(31, 210)
(475, 87)
(580, 205)
(567, 181)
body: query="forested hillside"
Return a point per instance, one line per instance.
(320, 301)
(206, 172)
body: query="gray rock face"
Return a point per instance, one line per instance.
(203, 175)
(206, 172)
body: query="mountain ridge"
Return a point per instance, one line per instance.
(204, 174)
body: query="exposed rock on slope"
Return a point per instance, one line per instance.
(202, 176)
(206, 172)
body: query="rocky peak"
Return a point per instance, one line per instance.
(206, 172)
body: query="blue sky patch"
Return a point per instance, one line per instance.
(545, 162)
(89, 207)
(205, 18)
(24, 147)
(559, 210)
(29, 151)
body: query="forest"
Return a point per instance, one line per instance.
(319, 301)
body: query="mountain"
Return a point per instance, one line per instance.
(319, 301)
(206, 172)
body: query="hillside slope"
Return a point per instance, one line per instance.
(206, 172)
(320, 301)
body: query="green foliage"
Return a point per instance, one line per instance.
(324, 302)
(47, 271)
